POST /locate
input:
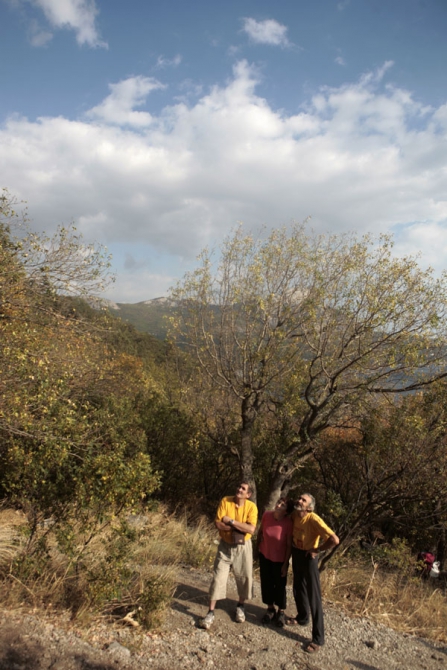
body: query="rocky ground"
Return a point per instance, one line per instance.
(31, 643)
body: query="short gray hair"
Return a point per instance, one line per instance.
(311, 506)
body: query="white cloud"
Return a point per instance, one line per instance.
(77, 15)
(340, 60)
(363, 156)
(377, 75)
(266, 32)
(233, 50)
(190, 88)
(118, 107)
(163, 62)
(428, 237)
(38, 36)
(139, 285)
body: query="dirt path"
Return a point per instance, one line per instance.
(31, 643)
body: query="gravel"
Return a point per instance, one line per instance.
(53, 642)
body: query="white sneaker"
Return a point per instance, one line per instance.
(240, 615)
(207, 621)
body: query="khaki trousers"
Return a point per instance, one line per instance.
(240, 558)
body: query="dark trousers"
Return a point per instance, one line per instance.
(273, 586)
(307, 592)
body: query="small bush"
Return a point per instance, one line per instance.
(125, 570)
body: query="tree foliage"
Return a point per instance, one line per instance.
(71, 440)
(387, 476)
(300, 331)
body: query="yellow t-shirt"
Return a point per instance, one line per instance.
(308, 530)
(248, 513)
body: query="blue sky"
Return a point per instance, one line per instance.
(157, 127)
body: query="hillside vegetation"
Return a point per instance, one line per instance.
(149, 316)
(303, 363)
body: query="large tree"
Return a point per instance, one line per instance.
(300, 330)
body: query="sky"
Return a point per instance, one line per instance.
(157, 127)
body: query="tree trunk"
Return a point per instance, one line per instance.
(326, 558)
(441, 540)
(440, 550)
(284, 471)
(246, 455)
(279, 487)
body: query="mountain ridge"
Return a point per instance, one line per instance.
(147, 316)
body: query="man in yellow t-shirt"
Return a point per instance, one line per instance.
(236, 520)
(308, 528)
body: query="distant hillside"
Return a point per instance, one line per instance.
(149, 316)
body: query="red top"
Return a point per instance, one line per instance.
(274, 537)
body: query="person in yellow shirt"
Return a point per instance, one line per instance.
(308, 528)
(236, 520)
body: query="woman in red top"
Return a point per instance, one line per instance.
(275, 546)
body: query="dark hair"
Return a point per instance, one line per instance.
(290, 504)
(249, 486)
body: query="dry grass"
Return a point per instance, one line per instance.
(10, 517)
(8, 546)
(11, 538)
(171, 539)
(405, 603)
(127, 572)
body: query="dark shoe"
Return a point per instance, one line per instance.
(269, 616)
(293, 621)
(280, 619)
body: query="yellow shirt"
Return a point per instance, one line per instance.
(248, 513)
(308, 530)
